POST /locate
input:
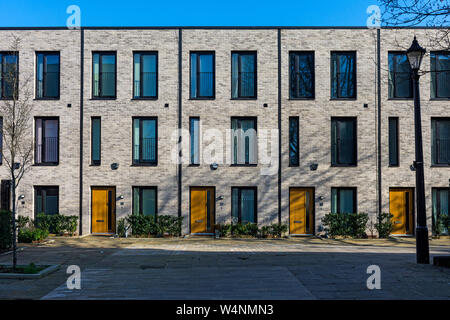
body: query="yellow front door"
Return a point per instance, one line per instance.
(202, 210)
(301, 211)
(401, 206)
(103, 210)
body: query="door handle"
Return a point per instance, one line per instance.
(297, 221)
(397, 222)
(100, 221)
(199, 221)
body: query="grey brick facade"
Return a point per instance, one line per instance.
(314, 116)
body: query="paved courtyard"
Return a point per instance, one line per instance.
(205, 268)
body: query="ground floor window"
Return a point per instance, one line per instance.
(343, 200)
(46, 200)
(144, 201)
(243, 205)
(440, 210)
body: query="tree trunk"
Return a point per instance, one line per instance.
(13, 181)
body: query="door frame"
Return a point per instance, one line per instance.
(114, 222)
(413, 213)
(214, 208)
(313, 211)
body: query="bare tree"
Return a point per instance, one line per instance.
(15, 110)
(428, 13)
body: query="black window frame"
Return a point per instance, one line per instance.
(45, 54)
(395, 163)
(297, 156)
(434, 145)
(240, 97)
(44, 188)
(355, 145)
(339, 189)
(313, 75)
(99, 161)
(2, 82)
(46, 163)
(255, 120)
(100, 96)
(434, 75)
(140, 162)
(198, 97)
(438, 205)
(191, 163)
(1, 140)
(240, 188)
(394, 97)
(355, 73)
(141, 97)
(155, 188)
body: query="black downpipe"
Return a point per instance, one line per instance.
(180, 168)
(81, 127)
(379, 125)
(279, 126)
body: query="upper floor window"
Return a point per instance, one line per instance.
(145, 75)
(243, 205)
(440, 74)
(9, 75)
(144, 201)
(301, 75)
(47, 75)
(393, 142)
(400, 81)
(343, 200)
(343, 75)
(202, 75)
(46, 200)
(96, 140)
(145, 141)
(47, 144)
(104, 75)
(244, 141)
(343, 141)
(243, 75)
(293, 142)
(440, 141)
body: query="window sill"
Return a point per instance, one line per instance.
(194, 165)
(46, 99)
(250, 98)
(206, 98)
(45, 164)
(343, 99)
(440, 166)
(94, 165)
(144, 165)
(439, 99)
(394, 166)
(244, 165)
(344, 165)
(145, 99)
(104, 98)
(401, 99)
(293, 99)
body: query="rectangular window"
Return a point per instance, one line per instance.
(440, 141)
(400, 81)
(293, 142)
(9, 74)
(1, 140)
(145, 75)
(244, 141)
(47, 75)
(301, 75)
(144, 201)
(46, 200)
(440, 75)
(243, 205)
(393, 142)
(243, 75)
(441, 197)
(194, 128)
(104, 75)
(145, 141)
(202, 75)
(343, 200)
(96, 140)
(343, 75)
(47, 141)
(343, 142)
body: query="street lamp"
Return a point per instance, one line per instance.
(415, 55)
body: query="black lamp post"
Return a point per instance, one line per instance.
(415, 55)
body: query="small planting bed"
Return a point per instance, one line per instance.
(30, 271)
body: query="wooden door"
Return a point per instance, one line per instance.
(301, 211)
(202, 210)
(103, 210)
(401, 206)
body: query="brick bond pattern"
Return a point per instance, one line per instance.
(315, 117)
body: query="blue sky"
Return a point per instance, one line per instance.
(26, 13)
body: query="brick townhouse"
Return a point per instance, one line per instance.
(299, 123)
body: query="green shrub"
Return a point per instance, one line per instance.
(441, 224)
(170, 225)
(122, 227)
(275, 230)
(384, 225)
(30, 269)
(23, 222)
(57, 223)
(147, 225)
(240, 229)
(5, 230)
(30, 234)
(346, 224)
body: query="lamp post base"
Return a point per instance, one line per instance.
(422, 249)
